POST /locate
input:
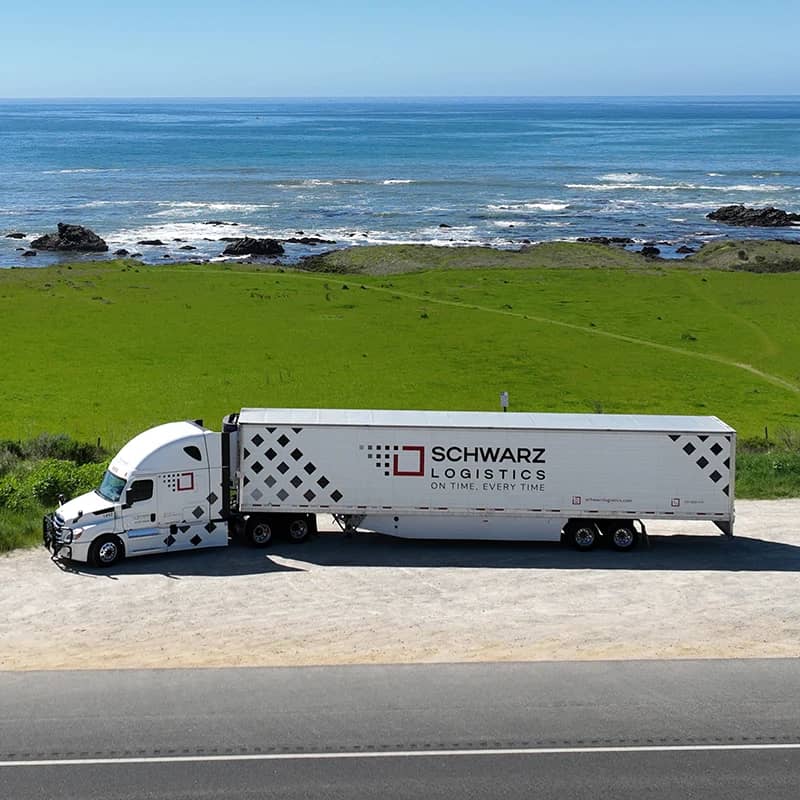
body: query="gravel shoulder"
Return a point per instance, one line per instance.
(374, 599)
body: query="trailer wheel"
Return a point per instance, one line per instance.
(622, 536)
(583, 535)
(298, 529)
(260, 531)
(106, 551)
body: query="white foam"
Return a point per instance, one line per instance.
(79, 170)
(715, 174)
(188, 208)
(393, 181)
(625, 177)
(653, 187)
(543, 205)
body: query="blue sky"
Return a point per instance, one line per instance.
(88, 48)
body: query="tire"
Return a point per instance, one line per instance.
(298, 529)
(622, 536)
(583, 535)
(106, 551)
(260, 531)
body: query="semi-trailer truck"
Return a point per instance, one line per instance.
(581, 478)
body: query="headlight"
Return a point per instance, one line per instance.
(66, 536)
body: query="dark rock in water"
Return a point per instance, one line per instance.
(187, 247)
(178, 240)
(166, 255)
(219, 222)
(121, 252)
(253, 247)
(71, 237)
(608, 240)
(299, 233)
(29, 253)
(650, 251)
(136, 255)
(685, 250)
(444, 225)
(19, 249)
(152, 242)
(15, 235)
(228, 239)
(769, 217)
(206, 239)
(311, 240)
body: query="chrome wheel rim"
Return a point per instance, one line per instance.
(107, 552)
(623, 538)
(584, 537)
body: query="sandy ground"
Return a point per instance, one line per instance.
(374, 599)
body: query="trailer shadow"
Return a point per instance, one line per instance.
(675, 552)
(668, 553)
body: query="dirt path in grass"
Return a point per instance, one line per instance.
(374, 599)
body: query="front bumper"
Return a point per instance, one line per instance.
(56, 538)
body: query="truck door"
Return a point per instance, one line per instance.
(140, 516)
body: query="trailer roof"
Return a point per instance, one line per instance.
(299, 417)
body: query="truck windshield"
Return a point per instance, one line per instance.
(111, 487)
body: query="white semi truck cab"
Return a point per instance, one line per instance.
(162, 491)
(583, 478)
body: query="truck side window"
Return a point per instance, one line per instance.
(138, 491)
(193, 452)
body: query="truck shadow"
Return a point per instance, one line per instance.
(676, 553)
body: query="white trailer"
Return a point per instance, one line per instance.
(583, 478)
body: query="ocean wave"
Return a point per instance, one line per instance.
(393, 181)
(657, 187)
(79, 170)
(626, 177)
(545, 205)
(189, 208)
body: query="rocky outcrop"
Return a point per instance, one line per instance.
(684, 249)
(650, 251)
(187, 247)
(310, 240)
(71, 237)
(121, 252)
(29, 253)
(218, 222)
(254, 247)
(615, 240)
(15, 235)
(769, 217)
(152, 242)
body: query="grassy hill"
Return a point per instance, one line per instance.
(107, 349)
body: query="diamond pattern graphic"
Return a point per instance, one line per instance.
(705, 462)
(210, 526)
(715, 448)
(195, 540)
(266, 484)
(169, 541)
(198, 512)
(212, 498)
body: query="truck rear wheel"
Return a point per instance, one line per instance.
(583, 535)
(106, 551)
(260, 531)
(299, 529)
(622, 535)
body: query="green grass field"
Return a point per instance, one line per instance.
(105, 350)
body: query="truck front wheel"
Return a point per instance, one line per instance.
(106, 551)
(260, 531)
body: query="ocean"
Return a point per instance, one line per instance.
(451, 172)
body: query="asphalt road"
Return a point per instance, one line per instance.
(668, 729)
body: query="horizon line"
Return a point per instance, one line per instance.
(729, 95)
